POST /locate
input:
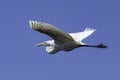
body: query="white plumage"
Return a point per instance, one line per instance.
(62, 40)
(79, 36)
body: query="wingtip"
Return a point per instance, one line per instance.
(30, 23)
(93, 29)
(89, 29)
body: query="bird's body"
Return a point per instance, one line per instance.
(53, 47)
(61, 40)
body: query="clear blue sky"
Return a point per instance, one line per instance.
(20, 60)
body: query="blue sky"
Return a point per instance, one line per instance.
(20, 60)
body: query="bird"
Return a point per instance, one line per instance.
(62, 41)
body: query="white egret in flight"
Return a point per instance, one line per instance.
(62, 40)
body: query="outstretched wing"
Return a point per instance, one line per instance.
(79, 36)
(58, 35)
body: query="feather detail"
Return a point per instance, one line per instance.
(79, 36)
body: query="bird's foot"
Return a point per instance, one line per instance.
(101, 46)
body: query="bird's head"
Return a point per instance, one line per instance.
(46, 43)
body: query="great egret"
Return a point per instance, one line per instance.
(62, 40)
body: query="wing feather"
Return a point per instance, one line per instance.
(58, 35)
(79, 36)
